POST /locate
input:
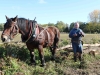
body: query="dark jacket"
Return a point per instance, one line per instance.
(79, 33)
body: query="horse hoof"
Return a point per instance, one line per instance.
(52, 59)
(43, 65)
(32, 64)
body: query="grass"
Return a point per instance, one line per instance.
(89, 38)
(15, 60)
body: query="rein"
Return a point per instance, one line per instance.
(33, 29)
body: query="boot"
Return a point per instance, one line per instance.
(75, 59)
(80, 59)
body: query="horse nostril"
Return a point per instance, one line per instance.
(3, 39)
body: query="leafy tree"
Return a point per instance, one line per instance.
(66, 29)
(44, 25)
(71, 26)
(51, 24)
(60, 25)
(1, 26)
(91, 28)
(94, 24)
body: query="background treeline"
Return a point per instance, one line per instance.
(92, 26)
(1, 26)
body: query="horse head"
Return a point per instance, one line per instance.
(10, 29)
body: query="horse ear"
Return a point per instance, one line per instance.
(34, 18)
(15, 19)
(6, 17)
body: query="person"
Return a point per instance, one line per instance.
(76, 35)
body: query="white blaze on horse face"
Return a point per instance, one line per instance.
(6, 38)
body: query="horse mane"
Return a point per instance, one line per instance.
(22, 22)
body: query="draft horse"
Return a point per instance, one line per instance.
(35, 36)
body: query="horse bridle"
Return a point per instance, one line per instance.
(14, 27)
(33, 30)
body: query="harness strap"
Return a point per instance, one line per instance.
(48, 36)
(45, 29)
(42, 31)
(37, 30)
(32, 30)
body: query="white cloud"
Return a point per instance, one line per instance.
(42, 1)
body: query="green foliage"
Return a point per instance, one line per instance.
(51, 24)
(15, 61)
(44, 25)
(63, 42)
(71, 26)
(60, 25)
(1, 26)
(89, 27)
(94, 40)
(66, 29)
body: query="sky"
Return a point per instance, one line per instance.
(49, 11)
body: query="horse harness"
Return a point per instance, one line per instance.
(48, 35)
(38, 36)
(33, 31)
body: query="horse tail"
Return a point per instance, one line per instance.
(57, 36)
(57, 33)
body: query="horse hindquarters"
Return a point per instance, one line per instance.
(56, 40)
(56, 33)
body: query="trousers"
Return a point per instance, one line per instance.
(77, 47)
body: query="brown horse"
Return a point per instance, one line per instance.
(33, 35)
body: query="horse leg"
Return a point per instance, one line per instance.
(56, 40)
(53, 51)
(55, 45)
(32, 57)
(41, 54)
